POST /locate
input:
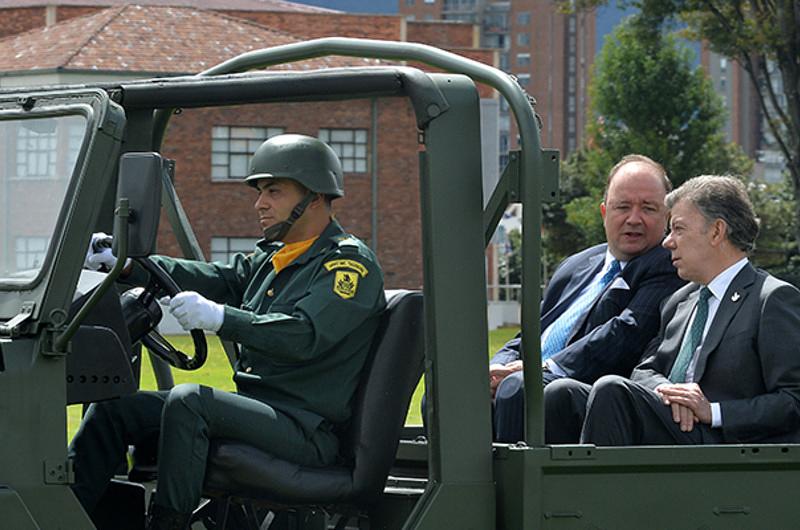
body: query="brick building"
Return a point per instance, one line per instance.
(87, 41)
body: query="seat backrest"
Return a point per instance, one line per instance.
(391, 375)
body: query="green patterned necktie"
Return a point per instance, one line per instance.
(692, 339)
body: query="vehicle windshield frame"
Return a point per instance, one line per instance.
(61, 112)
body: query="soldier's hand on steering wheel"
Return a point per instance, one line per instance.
(194, 311)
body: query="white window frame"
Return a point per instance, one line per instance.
(351, 145)
(224, 248)
(232, 147)
(30, 251)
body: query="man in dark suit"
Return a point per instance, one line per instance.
(596, 320)
(724, 367)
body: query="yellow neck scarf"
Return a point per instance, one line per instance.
(288, 253)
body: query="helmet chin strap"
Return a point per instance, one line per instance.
(278, 231)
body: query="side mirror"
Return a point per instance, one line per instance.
(140, 182)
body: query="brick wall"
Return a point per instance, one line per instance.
(446, 34)
(311, 25)
(67, 12)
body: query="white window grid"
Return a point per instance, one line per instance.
(36, 154)
(223, 248)
(30, 251)
(49, 154)
(351, 147)
(233, 146)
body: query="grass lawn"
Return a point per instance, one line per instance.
(217, 372)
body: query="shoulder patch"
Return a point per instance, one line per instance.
(346, 264)
(345, 284)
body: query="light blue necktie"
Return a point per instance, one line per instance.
(692, 339)
(562, 327)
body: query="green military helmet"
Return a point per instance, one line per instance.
(307, 160)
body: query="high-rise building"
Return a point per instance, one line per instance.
(549, 52)
(746, 124)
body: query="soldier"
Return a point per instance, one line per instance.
(304, 307)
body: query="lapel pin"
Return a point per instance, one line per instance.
(735, 296)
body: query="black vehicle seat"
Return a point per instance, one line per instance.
(236, 470)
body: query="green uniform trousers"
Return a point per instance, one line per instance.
(187, 418)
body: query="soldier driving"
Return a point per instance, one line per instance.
(303, 306)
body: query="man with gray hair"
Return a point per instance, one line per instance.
(724, 367)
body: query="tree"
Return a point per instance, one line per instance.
(763, 36)
(648, 98)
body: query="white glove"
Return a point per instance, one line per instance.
(193, 311)
(101, 258)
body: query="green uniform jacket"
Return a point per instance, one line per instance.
(304, 332)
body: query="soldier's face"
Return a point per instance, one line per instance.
(276, 199)
(634, 215)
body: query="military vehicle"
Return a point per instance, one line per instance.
(64, 339)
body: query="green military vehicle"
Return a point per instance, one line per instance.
(65, 340)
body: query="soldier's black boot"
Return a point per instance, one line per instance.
(163, 518)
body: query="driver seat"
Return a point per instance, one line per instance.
(242, 474)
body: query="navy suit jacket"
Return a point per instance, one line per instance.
(748, 363)
(613, 335)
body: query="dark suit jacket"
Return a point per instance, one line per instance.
(613, 335)
(749, 361)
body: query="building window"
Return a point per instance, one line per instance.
(232, 147)
(523, 18)
(523, 39)
(350, 145)
(523, 59)
(30, 252)
(504, 62)
(430, 1)
(523, 79)
(409, 2)
(223, 248)
(48, 154)
(36, 154)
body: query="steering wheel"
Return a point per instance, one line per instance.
(143, 313)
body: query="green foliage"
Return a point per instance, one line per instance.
(775, 207)
(650, 99)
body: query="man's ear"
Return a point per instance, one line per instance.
(317, 201)
(719, 232)
(603, 210)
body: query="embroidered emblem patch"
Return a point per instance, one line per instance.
(346, 264)
(345, 284)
